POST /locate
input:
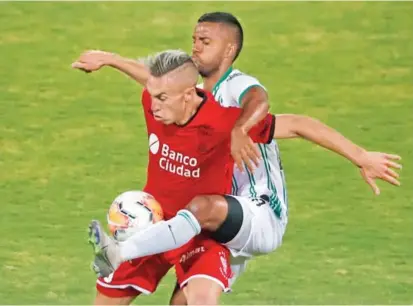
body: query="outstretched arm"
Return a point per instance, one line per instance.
(255, 107)
(373, 165)
(93, 60)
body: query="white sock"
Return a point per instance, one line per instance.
(161, 237)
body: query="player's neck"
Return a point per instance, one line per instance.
(190, 111)
(212, 80)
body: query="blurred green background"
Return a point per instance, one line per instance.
(70, 142)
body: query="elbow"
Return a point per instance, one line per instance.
(297, 121)
(292, 126)
(302, 124)
(264, 107)
(297, 125)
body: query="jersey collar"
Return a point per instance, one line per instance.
(204, 96)
(222, 79)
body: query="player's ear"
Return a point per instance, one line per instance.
(189, 94)
(230, 50)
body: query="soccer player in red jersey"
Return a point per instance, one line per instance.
(189, 159)
(189, 155)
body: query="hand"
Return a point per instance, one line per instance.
(92, 60)
(243, 149)
(377, 165)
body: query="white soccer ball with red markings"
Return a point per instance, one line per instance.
(132, 211)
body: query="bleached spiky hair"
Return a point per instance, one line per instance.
(164, 62)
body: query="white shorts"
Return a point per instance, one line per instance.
(261, 230)
(261, 233)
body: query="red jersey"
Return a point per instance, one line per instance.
(195, 158)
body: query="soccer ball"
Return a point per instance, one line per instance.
(132, 211)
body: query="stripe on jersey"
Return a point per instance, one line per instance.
(234, 185)
(285, 196)
(222, 79)
(284, 188)
(195, 226)
(275, 202)
(253, 192)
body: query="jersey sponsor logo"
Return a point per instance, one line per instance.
(191, 253)
(225, 272)
(174, 161)
(153, 143)
(234, 75)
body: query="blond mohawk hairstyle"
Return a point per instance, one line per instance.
(164, 62)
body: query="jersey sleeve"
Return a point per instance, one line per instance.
(240, 84)
(263, 132)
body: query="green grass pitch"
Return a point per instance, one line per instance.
(70, 142)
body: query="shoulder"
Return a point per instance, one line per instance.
(239, 83)
(210, 108)
(237, 76)
(146, 97)
(216, 116)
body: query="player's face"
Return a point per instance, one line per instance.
(209, 44)
(168, 102)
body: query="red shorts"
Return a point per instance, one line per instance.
(200, 258)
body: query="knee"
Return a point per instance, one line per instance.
(200, 205)
(202, 291)
(201, 297)
(210, 211)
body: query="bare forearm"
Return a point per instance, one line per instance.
(132, 68)
(320, 134)
(252, 113)
(254, 108)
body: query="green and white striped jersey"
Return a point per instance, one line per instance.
(268, 179)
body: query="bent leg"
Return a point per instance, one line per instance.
(202, 291)
(204, 271)
(203, 212)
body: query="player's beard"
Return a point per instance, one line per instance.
(205, 73)
(202, 70)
